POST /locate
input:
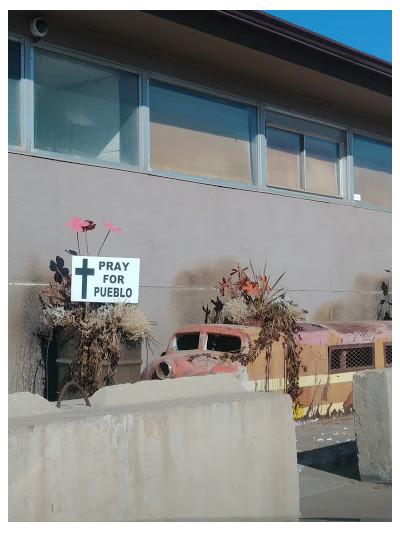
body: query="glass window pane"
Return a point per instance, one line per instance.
(223, 343)
(201, 136)
(372, 171)
(283, 158)
(85, 109)
(14, 96)
(321, 166)
(189, 341)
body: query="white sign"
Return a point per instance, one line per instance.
(105, 279)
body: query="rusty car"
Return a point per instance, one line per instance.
(331, 352)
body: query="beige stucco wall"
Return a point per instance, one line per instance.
(201, 453)
(187, 235)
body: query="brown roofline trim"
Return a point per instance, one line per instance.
(314, 40)
(270, 35)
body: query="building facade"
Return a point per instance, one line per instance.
(211, 138)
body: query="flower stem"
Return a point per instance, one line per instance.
(77, 238)
(87, 248)
(103, 242)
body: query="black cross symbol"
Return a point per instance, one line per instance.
(84, 272)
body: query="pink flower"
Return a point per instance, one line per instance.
(88, 225)
(111, 227)
(76, 224)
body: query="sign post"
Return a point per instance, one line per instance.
(105, 279)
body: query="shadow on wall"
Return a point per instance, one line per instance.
(363, 303)
(24, 352)
(23, 349)
(185, 305)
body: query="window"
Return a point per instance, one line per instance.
(388, 353)
(283, 158)
(188, 341)
(322, 166)
(351, 358)
(85, 109)
(303, 156)
(199, 135)
(223, 343)
(88, 110)
(372, 171)
(14, 93)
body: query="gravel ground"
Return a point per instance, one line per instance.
(313, 434)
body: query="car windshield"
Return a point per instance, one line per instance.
(223, 343)
(190, 341)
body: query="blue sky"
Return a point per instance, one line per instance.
(366, 30)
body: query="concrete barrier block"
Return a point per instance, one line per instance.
(230, 456)
(23, 404)
(168, 389)
(372, 405)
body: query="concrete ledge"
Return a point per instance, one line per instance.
(22, 404)
(229, 456)
(168, 389)
(372, 404)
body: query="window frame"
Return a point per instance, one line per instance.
(22, 95)
(219, 95)
(313, 124)
(66, 52)
(350, 156)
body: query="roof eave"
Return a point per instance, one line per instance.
(313, 40)
(268, 34)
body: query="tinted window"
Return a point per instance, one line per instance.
(283, 158)
(321, 166)
(85, 109)
(188, 342)
(299, 160)
(223, 343)
(199, 135)
(372, 171)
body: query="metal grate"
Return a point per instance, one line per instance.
(351, 357)
(388, 355)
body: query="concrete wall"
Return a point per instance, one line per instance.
(200, 450)
(372, 404)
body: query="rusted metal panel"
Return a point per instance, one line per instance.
(199, 363)
(360, 332)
